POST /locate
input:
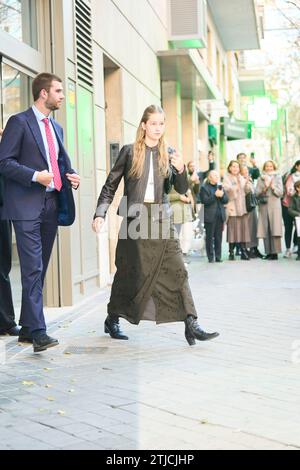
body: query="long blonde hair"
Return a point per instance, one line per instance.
(139, 148)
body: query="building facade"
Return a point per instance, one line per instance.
(116, 57)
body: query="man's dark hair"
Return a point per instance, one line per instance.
(240, 154)
(43, 81)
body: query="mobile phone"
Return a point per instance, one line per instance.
(171, 150)
(220, 187)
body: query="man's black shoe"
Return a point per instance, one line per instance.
(25, 336)
(14, 331)
(43, 342)
(25, 339)
(112, 327)
(219, 260)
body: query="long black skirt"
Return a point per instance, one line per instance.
(151, 282)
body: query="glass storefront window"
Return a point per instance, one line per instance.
(16, 95)
(18, 18)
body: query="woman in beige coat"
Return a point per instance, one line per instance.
(269, 191)
(182, 207)
(238, 230)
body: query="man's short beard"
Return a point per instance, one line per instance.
(51, 106)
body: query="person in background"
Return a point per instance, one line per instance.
(238, 230)
(254, 174)
(202, 175)
(214, 198)
(252, 247)
(8, 325)
(194, 182)
(253, 169)
(269, 191)
(182, 217)
(289, 181)
(294, 212)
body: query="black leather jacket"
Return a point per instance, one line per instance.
(135, 189)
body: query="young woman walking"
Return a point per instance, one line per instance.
(151, 282)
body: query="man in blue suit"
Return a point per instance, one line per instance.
(37, 197)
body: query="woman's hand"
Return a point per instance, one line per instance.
(98, 224)
(177, 162)
(185, 199)
(268, 181)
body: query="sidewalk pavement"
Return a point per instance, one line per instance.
(240, 391)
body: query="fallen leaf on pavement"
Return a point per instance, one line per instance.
(28, 383)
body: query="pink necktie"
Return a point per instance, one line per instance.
(52, 153)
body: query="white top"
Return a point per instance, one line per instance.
(39, 117)
(150, 194)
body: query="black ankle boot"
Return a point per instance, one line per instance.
(112, 327)
(193, 330)
(189, 336)
(238, 249)
(231, 252)
(244, 255)
(257, 253)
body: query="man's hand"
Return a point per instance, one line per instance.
(98, 224)
(195, 178)
(74, 180)
(44, 178)
(219, 193)
(177, 162)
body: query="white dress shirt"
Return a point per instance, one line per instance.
(150, 194)
(39, 117)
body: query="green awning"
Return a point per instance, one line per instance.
(213, 134)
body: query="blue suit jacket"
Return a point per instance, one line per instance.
(22, 152)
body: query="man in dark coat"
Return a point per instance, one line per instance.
(214, 198)
(7, 315)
